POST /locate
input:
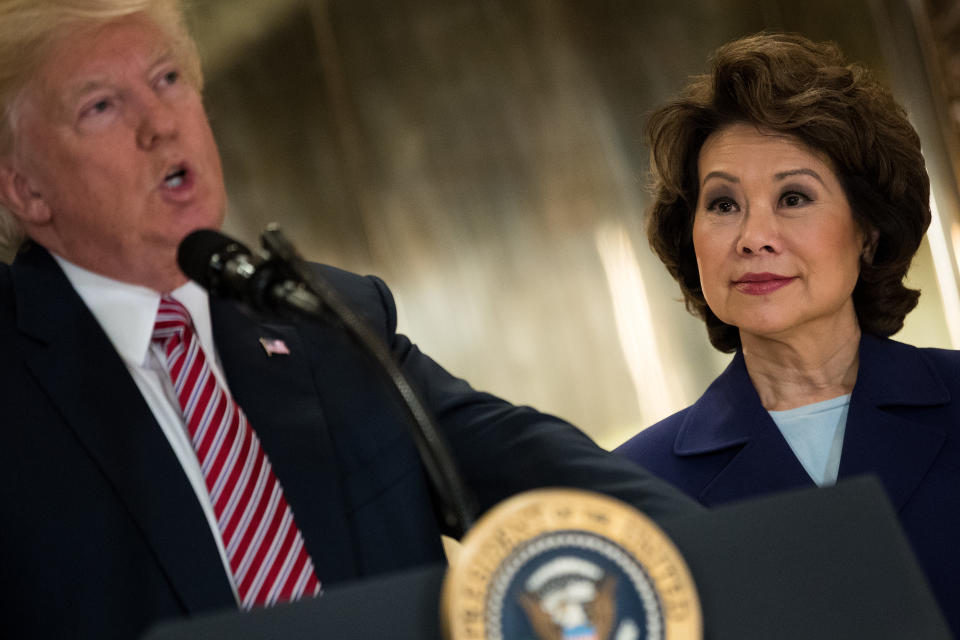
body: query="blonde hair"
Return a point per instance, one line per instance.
(29, 29)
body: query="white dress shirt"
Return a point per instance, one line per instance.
(127, 313)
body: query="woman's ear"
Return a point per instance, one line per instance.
(871, 238)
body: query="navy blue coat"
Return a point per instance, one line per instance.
(903, 426)
(101, 533)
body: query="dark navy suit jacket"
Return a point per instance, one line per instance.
(101, 533)
(903, 426)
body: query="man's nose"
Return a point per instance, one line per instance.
(158, 122)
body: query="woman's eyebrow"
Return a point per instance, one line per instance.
(793, 172)
(721, 174)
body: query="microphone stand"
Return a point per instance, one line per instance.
(317, 299)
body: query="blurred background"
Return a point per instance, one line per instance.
(485, 157)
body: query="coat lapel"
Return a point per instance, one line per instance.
(74, 361)
(281, 396)
(729, 420)
(894, 381)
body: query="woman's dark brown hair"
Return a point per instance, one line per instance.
(790, 85)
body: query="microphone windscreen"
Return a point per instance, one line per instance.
(196, 253)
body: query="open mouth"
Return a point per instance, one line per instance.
(175, 178)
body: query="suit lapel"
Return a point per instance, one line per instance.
(768, 456)
(880, 437)
(280, 395)
(729, 419)
(86, 380)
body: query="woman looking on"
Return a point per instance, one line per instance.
(790, 198)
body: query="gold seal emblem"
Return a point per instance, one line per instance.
(565, 564)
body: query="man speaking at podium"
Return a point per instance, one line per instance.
(166, 454)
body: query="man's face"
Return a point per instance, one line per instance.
(114, 161)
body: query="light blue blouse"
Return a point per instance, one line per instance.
(815, 434)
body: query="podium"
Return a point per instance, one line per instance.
(817, 563)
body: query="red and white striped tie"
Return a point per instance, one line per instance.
(264, 546)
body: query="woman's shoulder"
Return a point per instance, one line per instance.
(654, 441)
(944, 363)
(945, 359)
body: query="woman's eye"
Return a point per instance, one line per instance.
(794, 199)
(171, 77)
(722, 205)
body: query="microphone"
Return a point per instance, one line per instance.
(229, 269)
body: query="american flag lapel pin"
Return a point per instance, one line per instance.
(274, 347)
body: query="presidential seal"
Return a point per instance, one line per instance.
(563, 564)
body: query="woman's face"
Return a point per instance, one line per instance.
(777, 247)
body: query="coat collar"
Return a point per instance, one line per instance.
(877, 440)
(896, 374)
(730, 415)
(727, 414)
(882, 437)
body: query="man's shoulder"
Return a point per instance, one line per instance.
(366, 295)
(341, 278)
(351, 285)
(7, 298)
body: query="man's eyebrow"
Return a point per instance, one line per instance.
(76, 93)
(162, 57)
(793, 172)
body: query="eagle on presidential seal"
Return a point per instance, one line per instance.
(570, 599)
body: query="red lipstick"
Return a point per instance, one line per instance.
(761, 284)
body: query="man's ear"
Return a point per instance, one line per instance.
(19, 197)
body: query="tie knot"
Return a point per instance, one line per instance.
(172, 319)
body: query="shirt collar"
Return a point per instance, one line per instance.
(127, 312)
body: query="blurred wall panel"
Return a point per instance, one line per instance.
(485, 157)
